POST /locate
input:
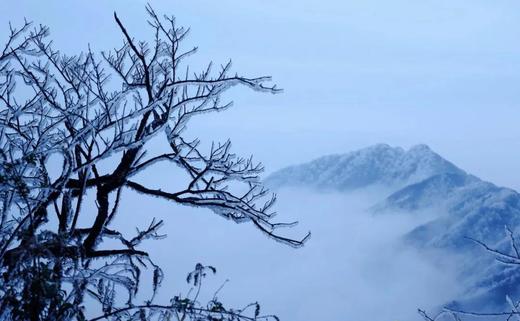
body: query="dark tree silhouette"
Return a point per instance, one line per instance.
(74, 112)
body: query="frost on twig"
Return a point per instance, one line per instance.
(73, 112)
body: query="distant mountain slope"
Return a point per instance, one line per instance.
(426, 193)
(419, 180)
(468, 207)
(376, 165)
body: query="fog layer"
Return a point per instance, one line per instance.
(353, 268)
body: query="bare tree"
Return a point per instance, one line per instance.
(91, 108)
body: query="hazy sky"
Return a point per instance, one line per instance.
(444, 72)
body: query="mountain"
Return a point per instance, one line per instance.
(376, 165)
(420, 181)
(478, 210)
(426, 193)
(468, 208)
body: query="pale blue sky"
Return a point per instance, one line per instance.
(444, 73)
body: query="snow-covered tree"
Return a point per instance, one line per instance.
(94, 115)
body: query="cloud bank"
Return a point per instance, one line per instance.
(353, 268)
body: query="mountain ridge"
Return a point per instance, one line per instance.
(418, 179)
(379, 164)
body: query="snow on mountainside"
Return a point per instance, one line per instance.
(466, 206)
(376, 165)
(479, 210)
(420, 180)
(426, 193)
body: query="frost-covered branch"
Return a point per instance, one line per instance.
(66, 115)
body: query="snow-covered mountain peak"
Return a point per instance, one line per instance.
(379, 164)
(420, 148)
(453, 205)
